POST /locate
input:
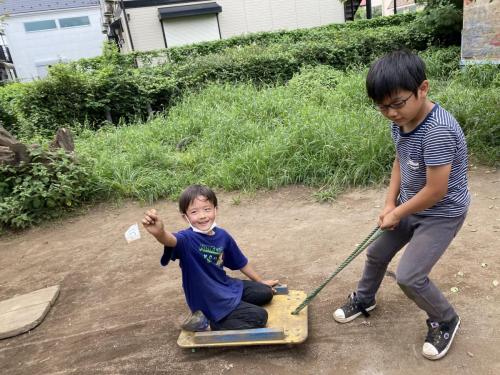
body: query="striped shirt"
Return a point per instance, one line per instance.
(437, 140)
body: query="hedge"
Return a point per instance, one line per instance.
(110, 88)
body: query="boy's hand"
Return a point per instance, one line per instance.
(388, 208)
(153, 224)
(271, 283)
(385, 212)
(389, 221)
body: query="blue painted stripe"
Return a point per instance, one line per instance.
(257, 334)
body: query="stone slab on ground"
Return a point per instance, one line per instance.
(22, 313)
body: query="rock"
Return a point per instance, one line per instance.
(454, 289)
(470, 354)
(495, 283)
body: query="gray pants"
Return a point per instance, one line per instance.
(427, 238)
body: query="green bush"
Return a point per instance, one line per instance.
(329, 32)
(479, 75)
(472, 96)
(315, 78)
(112, 87)
(33, 192)
(477, 112)
(249, 64)
(318, 129)
(11, 94)
(71, 96)
(241, 137)
(441, 19)
(58, 101)
(441, 63)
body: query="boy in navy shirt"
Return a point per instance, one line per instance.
(203, 250)
(427, 198)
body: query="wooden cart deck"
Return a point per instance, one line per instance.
(282, 327)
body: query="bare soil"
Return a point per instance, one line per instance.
(119, 311)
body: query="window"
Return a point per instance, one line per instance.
(187, 30)
(40, 25)
(74, 21)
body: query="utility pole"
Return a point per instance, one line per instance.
(368, 9)
(125, 16)
(395, 7)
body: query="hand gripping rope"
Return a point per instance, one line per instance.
(359, 249)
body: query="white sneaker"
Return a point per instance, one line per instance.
(439, 338)
(352, 309)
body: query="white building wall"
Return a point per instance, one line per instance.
(284, 14)
(331, 12)
(33, 51)
(238, 17)
(145, 28)
(248, 16)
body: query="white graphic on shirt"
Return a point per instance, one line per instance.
(413, 164)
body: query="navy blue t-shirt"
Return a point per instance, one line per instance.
(202, 258)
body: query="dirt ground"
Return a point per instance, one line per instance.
(119, 311)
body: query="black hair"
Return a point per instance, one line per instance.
(192, 192)
(398, 70)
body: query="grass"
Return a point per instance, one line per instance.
(319, 130)
(240, 137)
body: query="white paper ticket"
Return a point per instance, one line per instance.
(133, 233)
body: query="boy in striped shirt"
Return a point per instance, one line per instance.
(427, 199)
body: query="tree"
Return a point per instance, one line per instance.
(443, 19)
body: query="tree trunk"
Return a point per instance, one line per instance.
(63, 140)
(12, 151)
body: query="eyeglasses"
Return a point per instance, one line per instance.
(396, 105)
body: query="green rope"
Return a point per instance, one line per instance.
(359, 249)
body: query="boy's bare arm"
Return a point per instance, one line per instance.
(394, 185)
(249, 272)
(154, 225)
(434, 190)
(393, 192)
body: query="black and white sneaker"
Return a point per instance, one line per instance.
(439, 338)
(196, 322)
(352, 309)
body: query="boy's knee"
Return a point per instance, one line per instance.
(267, 295)
(262, 295)
(262, 316)
(404, 280)
(376, 255)
(409, 282)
